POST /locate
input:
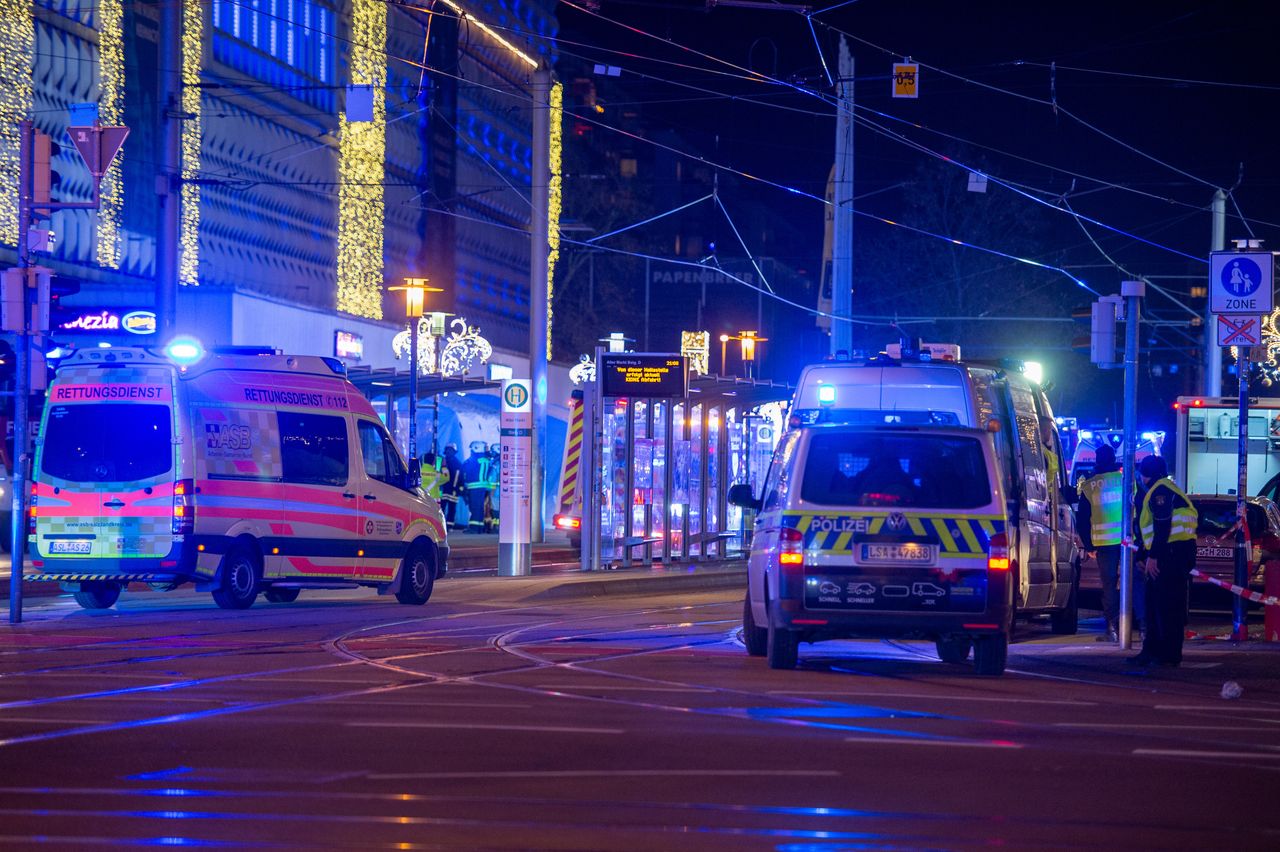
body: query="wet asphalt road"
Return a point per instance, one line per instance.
(496, 717)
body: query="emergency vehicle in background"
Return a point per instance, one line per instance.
(1208, 435)
(913, 560)
(1084, 456)
(240, 471)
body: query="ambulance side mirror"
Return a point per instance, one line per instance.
(740, 495)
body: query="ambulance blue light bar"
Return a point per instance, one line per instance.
(184, 351)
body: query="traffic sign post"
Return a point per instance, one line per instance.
(1240, 282)
(1239, 330)
(515, 475)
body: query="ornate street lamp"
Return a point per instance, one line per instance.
(415, 296)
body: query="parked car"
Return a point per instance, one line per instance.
(1215, 545)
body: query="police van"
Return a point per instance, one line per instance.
(954, 516)
(238, 471)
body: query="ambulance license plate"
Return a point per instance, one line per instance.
(70, 546)
(1215, 552)
(923, 554)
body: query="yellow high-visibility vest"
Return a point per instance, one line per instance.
(1106, 507)
(1183, 524)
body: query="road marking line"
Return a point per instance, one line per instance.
(609, 773)
(47, 720)
(1173, 752)
(1158, 727)
(951, 743)
(564, 686)
(560, 729)
(1217, 708)
(821, 693)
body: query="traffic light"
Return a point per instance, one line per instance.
(45, 177)
(1102, 330)
(52, 313)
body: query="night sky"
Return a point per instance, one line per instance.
(1141, 73)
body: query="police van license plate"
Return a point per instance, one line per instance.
(922, 554)
(1215, 552)
(72, 546)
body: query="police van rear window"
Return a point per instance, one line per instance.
(905, 471)
(107, 442)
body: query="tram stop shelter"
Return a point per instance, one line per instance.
(662, 469)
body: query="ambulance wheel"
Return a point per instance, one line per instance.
(1066, 622)
(281, 595)
(417, 577)
(954, 649)
(783, 648)
(990, 654)
(755, 638)
(240, 582)
(97, 595)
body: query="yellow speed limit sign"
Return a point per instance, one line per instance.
(906, 79)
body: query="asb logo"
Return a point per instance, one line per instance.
(516, 395)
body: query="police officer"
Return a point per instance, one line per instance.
(449, 473)
(476, 482)
(1167, 524)
(1099, 515)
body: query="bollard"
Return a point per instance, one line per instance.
(1271, 614)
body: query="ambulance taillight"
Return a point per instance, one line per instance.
(31, 515)
(184, 507)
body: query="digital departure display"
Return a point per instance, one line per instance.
(643, 375)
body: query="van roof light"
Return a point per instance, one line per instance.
(826, 394)
(184, 351)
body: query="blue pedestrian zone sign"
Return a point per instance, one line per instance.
(1241, 283)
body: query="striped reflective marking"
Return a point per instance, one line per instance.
(962, 536)
(572, 458)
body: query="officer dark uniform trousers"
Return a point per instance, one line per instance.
(1167, 524)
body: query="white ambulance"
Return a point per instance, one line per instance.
(239, 471)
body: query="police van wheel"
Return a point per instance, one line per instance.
(281, 595)
(953, 649)
(990, 654)
(417, 578)
(784, 648)
(755, 638)
(1066, 622)
(239, 586)
(97, 595)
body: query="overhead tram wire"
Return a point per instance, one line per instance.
(1180, 81)
(752, 75)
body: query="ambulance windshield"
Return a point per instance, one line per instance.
(906, 470)
(107, 442)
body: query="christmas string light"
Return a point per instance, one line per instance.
(361, 170)
(17, 46)
(110, 114)
(554, 196)
(189, 220)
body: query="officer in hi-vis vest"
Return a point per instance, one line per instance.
(1098, 518)
(1167, 524)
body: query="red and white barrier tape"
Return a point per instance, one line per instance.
(1256, 597)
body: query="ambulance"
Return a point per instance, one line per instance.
(241, 471)
(969, 521)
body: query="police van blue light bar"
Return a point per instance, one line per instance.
(826, 394)
(184, 351)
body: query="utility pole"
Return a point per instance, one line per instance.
(169, 178)
(1132, 291)
(22, 376)
(1212, 351)
(539, 319)
(842, 198)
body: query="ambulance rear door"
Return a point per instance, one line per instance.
(104, 482)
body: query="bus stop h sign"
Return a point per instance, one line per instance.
(1240, 282)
